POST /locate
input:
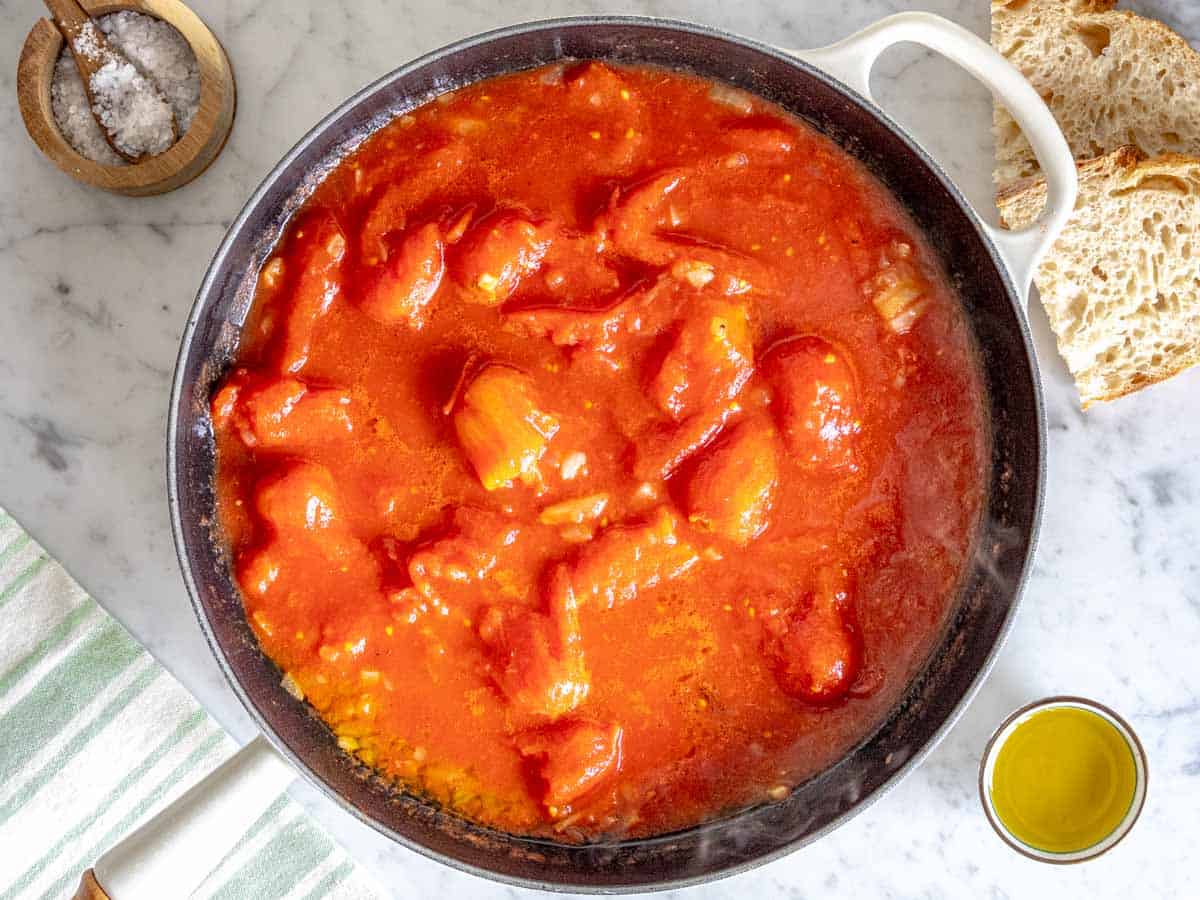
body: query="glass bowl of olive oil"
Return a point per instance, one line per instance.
(1063, 779)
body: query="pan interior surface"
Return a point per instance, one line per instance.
(990, 587)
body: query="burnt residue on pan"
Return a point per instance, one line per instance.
(989, 590)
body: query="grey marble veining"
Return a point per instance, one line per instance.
(96, 288)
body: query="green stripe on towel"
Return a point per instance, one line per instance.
(59, 697)
(56, 636)
(269, 819)
(330, 882)
(13, 548)
(63, 758)
(281, 864)
(13, 587)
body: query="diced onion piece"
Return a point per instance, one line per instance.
(574, 464)
(575, 511)
(646, 491)
(731, 97)
(695, 272)
(898, 294)
(272, 272)
(458, 227)
(576, 534)
(290, 685)
(552, 76)
(335, 245)
(901, 306)
(467, 126)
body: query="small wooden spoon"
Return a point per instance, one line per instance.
(71, 19)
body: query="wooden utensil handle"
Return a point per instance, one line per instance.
(70, 19)
(89, 888)
(68, 15)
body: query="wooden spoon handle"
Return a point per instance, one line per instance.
(68, 15)
(89, 888)
(70, 18)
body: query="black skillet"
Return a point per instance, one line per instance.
(991, 270)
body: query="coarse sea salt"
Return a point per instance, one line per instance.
(134, 97)
(162, 55)
(132, 111)
(86, 42)
(74, 116)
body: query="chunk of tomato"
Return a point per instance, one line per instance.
(455, 565)
(321, 250)
(282, 412)
(628, 559)
(609, 114)
(468, 553)
(762, 135)
(576, 270)
(307, 537)
(733, 487)
(646, 221)
(571, 759)
(502, 428)
(404, 285)
(497, 253)
(637, 213)
(390, 211)
(816, 648)
(664, 448)
(258, 571)
(710, 361)
(536, 659)
(816, 401)
(595, 84)
(301, 497)
(646, 309)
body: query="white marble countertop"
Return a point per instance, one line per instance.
(96, 289)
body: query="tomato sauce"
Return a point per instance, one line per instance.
(603, 454)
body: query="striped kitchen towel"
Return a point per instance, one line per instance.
(95, 737)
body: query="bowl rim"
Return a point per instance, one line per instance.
(207, 291)
(1136, 804)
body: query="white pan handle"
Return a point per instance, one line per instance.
(851, 60)
(172, 853)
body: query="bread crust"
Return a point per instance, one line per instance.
(1020, 194)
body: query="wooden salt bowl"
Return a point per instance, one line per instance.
(186, 158)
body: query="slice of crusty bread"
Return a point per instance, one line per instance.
(1122, 284)
(1110, 77)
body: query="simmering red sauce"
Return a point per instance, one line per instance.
(604, 451)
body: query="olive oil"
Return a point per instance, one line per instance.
(1063, 780)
